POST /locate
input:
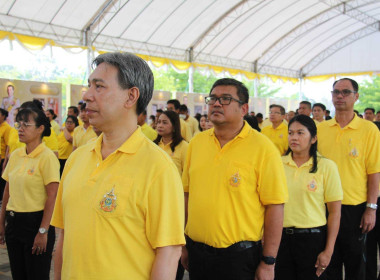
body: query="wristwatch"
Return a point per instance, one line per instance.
(42, 230)
(268, 260)
(372, 205)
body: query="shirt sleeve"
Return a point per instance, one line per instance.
(57, 218)
(51, 141)
(373, 151)
(331, 182)
(50, 169)
(272, 185)
(185, 171)
(165, 214)
(183, 155)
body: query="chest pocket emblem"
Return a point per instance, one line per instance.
(108, 203)
(312, 186)
(354, 153)
(281, 136)
(235, 180)
(31, 171)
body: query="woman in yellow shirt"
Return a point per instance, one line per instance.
(170, 140)
(65, 141)
(54, 125)
(308, 240)
(32, 176)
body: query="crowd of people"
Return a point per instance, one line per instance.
(225, 195)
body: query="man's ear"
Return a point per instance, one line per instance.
(133, 96)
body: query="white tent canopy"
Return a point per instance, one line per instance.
(290, 38)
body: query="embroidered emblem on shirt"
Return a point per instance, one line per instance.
(235, 180)
(312, 186)
(281, 136)
(31, 171)
(108, 203)
(354, 153)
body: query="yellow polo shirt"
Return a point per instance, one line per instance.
(65, 148)
(51, 141)
(308, 192)
(278, 135)
(55, 126)
(193, 125)
(229, 187)
(81, 136)
(185, 130)
(28, 174)
(149, 131)
(179, 154)
(355, 149)
(116, 212)
(14, 142)
(5, 130)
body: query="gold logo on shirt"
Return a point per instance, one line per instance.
(31, 171)
(354, 153)
(235, 180)
(281, 136)
(108, 203)
(312, 186)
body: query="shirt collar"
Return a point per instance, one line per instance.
(34, 153)
(289, 161)
(280, 126)
(242, 134)
(354, 123)
(130, 146)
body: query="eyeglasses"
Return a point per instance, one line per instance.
(274, 113)
(223, 100)
(69, 122)
(344, 92)
(23, 125)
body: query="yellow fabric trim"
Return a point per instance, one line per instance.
(321, 78)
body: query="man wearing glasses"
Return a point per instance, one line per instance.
(234, 187)
(278, 131)
(354, 145)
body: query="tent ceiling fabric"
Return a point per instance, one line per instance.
(280, 37)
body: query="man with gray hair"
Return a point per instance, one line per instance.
(118, 220)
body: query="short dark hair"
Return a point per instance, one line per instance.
(74, 119)
(38, 116)
(51, 111)
(306, 103)
(320, 105)
(252, 121)
(242, 90)
(259, 115)
(133, 71)
(176, 135)
(35, 104)
(175, 102)
(372, 109)
(183, 108)
(282, 109)
(353, 83)
(75, 109)
(328, 111)
(83, 106)
(159, 111)
(4, 112)
(312, 128)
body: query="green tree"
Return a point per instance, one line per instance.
(369, 95)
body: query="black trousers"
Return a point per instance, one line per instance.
(373, 243)
(298, 254)
(62, 165)
(20, 231)
(350, 246)
(205, 264)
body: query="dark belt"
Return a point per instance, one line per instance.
(236, 247)
(23, 214)
(302, 230)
